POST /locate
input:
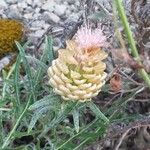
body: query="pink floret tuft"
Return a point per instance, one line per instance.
(86, 38)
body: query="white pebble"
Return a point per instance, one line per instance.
(39, 33)
(60, 9)
(49, 6)
(28, 16)
(22, 5)
(11, 1)
(3, 4)
(14, 13)
(48, 17)
(29, 2)
(38, 23)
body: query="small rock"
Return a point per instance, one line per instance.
(37, 3)
(33, 39)
(39, 33)
(50, 17)
(2, 14)
(29, 2)
(11, 1)
(77, 3)
(2, 4)
(37, 10)
(22, 5)
(1, 11)
(38, 23)
(72, 8)
(3, 62)
(68, 12)
(73, 17)
(36, 16)
(45, 26)
(13, 12)
(34, 28)
(49, 6)
(29, 9)
(71, 2)
(65, 3)
(60, 10)
(28, 16)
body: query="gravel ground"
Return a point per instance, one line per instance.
(40, 16)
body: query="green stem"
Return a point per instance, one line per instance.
(131, 40)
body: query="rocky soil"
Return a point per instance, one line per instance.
(42, 17)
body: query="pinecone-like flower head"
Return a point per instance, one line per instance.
(78, 72)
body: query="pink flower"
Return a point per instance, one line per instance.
(89, 39)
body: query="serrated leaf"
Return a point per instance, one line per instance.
(27, 69)
(36, 116)
(66, 108)
(16, 79)
(47, 56)
(75, 114)
(97, 112)
(49, 49)
(46, 101)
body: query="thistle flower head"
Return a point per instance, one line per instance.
(78, 72)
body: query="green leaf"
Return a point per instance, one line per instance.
(97, 111)
(49, 49)
(78, 135)
(27, 69)
(65, 109)
(76, 119)
(16, 80)
(40, 64)
(41, 107)
(37, 115)
(47, 55)
(49, 100)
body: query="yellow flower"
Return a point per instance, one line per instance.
(78, 72)
(10, 31)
